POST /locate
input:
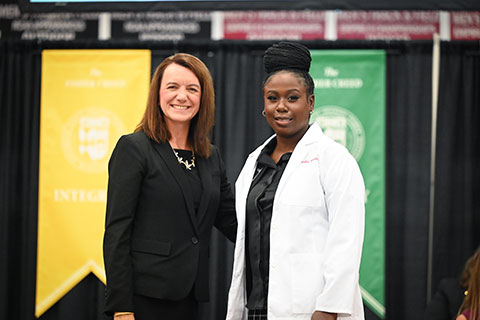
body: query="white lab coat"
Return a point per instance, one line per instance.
(316, 234)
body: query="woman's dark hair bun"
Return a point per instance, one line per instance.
(287, 55)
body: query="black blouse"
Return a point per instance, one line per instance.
(259, 216)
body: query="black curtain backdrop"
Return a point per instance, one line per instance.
(457, 205)
(408, 174)
(237, 71)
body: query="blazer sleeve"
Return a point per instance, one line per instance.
(126, 170)
(446, 301)
(226, 219)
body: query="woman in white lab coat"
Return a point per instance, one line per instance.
(300, 209)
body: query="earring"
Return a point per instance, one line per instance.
(263, 113)
(311, 112)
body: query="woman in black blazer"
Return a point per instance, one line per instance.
(167, 187)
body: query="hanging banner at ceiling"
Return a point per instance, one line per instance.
(89, 98)
(465, 25)
(400, 25)
(161, 25)
(260, 25)
(350, 108)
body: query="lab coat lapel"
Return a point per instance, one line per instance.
(243, 183)
(298, 155)
(250, 166)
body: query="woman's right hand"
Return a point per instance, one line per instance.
(123, 316)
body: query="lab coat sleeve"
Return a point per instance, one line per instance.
(344, 197)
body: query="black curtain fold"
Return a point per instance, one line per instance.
(237, 70)
(408, 177)
(457, 205)
(19, 127)
(239, 102)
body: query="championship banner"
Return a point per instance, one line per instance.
(89, 98)
(350, 108)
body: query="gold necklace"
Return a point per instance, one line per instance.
(180, 160)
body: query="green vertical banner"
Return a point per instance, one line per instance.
(350, 108)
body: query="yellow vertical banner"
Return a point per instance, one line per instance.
(89, 98)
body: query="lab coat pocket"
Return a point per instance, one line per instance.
(307, 228)
(302, 221)
(307, 282)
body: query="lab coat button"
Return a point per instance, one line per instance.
(194, 240)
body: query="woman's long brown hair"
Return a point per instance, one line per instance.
(472, 298)
(153, 121)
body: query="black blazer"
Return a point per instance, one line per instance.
(446, 301)
(155, 244)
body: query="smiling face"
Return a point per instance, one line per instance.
(180, 95)
(287, 105)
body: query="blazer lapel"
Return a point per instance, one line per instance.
(205, 176)
(165, 151)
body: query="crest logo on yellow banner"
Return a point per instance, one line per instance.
(89, 98)
(88, 136)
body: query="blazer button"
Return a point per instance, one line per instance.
(194, 240)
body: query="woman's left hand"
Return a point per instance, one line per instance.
(320, 315)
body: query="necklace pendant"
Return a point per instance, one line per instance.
(180, 160)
